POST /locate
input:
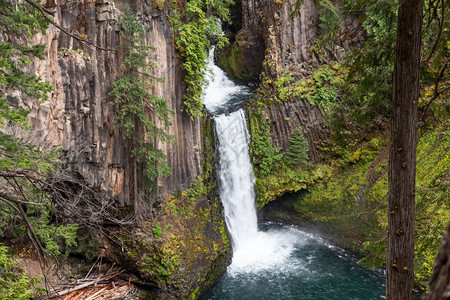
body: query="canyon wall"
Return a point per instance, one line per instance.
(275, 40)
(181, 248)
(79, 116)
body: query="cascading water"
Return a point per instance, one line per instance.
(279, 262)
(252, 249)
(236, 178)
(235, 173)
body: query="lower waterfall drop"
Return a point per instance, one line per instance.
(236, 178)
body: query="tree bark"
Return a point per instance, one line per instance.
(440, 280)
(402, 161)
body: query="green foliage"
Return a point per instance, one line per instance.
(275, 173)
(296, 8)
(436, 48)
(139, 110)
(264, 156)
(432, 205)
(17, 154)
(14, 284)
(298, 151)
(15, 115)
(20, 19)
(325, 89)
(160, 266)
(321, 89)
(157, 230)
(330, 17)
(367, 91)
(192, 28)
(23, 164)
(54, 237)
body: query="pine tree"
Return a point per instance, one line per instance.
(402, 159)
(298, 151)
(139, 111)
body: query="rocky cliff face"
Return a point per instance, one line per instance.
(275, 40)
(285, 40)
(185, 248)
(79, 117)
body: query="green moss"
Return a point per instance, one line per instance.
(186, 247)
(275, 175)
(232, 61)
(194, 294)
(160, 267)
(349, 199)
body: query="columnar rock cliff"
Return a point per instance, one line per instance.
(271, 42)
(79, 117)
(184, 248)
(274, 40)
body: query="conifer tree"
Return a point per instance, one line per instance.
(402, 159)
(139, 111)
(298, 151)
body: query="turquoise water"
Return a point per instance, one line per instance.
(310, 269)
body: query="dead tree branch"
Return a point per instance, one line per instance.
(45, 12)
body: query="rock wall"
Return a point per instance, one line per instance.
(79, 117)
(285, 40)
(286, 37)
(296, 114)
(184, 249)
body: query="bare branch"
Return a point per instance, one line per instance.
(436, 92)
(45, 12)
(40, 7)
(10, 200)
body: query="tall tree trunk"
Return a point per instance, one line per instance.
(402, 162)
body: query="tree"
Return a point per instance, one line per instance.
(402, 161)
(298, 151)
(139, 111)
(440, 280)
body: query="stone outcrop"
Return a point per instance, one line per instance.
(296, 114)
(285, 38)
(285, 41)
(243, 59)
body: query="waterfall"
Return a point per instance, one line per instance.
(236, 178)
(252, 249)
(279, 262)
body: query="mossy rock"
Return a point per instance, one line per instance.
(243, 59)
(182, 252)
(185, 249)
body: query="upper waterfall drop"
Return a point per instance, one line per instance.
(221, 92)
